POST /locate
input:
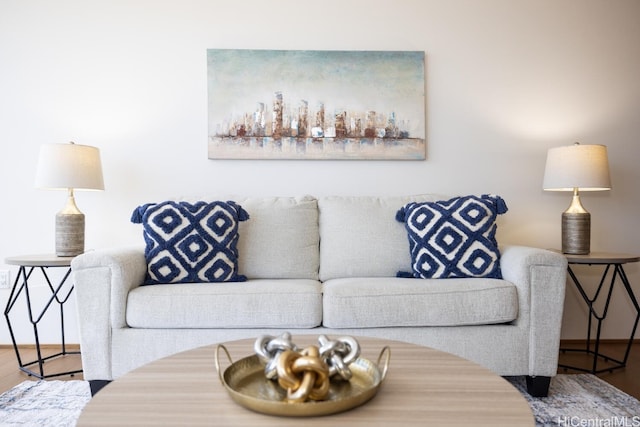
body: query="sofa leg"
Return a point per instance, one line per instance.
(97, 385)
(538, 386)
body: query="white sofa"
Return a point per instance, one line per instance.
(323, 266)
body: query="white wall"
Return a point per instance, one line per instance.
(505, 81)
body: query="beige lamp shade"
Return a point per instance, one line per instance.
(585, 167)
(63, 166)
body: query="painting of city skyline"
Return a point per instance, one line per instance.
(300, 104)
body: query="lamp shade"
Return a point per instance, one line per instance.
(585, 167)
(64, 166)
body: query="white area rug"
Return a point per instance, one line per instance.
(582, 400)
(44, 403)
(574, 400)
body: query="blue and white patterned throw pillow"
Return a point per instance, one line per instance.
(453, 238)
(188, 243)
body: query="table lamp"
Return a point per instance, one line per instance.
(577, 168)
(69, 166)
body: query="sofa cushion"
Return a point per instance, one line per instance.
(393, 302)
(361, 238)
(281, 240)
(453, 238)
(284, 303)
(190, 242)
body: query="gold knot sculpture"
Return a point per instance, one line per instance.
(306, 374)
(303, 374)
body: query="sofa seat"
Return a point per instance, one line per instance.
(391, 302)
(258, 303)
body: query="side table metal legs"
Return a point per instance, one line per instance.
(57, 295)
(618, 272)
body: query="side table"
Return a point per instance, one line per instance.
(60, 294)
(612, 263)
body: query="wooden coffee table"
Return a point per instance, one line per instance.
(423, 386)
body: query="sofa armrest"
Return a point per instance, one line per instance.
(102, 280)
(540, 277)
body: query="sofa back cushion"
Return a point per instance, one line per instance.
(281, 238)
(360, 237)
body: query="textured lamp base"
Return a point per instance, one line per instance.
(69, 234)
(576, 233)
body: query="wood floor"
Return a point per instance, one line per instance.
(626, 379)
(11, 375)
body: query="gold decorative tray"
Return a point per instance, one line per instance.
(247, 385)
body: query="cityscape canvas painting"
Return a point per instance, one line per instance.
(290, 104)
